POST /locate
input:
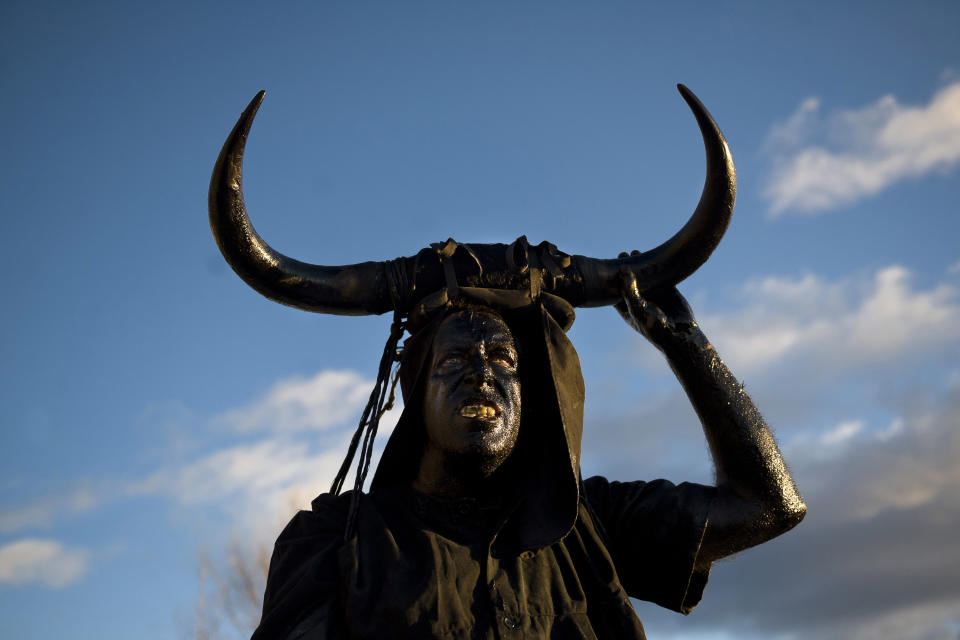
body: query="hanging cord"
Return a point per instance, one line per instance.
(401, 288)
(377, 405)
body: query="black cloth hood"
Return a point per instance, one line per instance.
(547, 453)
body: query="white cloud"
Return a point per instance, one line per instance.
(311, 420)
(297, 404)
(796, 129)
(840, 324)
(42, 561)
(250, 468)
(908, 463)
(865, 151)
(43, 512)
(895, 427)
(258, 484)
(843, 432)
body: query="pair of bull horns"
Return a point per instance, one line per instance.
(370, 287)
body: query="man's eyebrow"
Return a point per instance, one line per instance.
(453, 348)
(457, 344)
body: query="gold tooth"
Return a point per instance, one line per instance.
(478, 411)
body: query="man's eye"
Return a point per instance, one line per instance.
(451, 360)
(504, 359)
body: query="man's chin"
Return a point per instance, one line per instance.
(480, 457)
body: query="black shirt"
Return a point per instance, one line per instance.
(422, 568)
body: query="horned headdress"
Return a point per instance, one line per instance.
(491, 272)
(377, 287)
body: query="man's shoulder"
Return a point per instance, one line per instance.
(329, 504)
(327, 517)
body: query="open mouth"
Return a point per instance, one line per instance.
(475, 409)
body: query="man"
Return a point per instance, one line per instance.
(477, 523)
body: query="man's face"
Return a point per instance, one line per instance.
(471, 405)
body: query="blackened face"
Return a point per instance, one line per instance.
(471, 405)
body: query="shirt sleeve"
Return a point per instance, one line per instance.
(653, 531)
(302, 590)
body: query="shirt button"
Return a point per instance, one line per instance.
(510, 623)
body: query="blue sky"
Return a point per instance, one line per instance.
(155, 409)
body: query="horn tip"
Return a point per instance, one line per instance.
(255, 103)
(689, 97)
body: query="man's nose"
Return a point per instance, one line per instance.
(481, 372)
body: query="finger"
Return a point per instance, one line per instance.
(638, 309)
(624, 311)
(629, 280)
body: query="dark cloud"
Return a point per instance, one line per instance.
(660, 438)
(828, 580)
(877, 555)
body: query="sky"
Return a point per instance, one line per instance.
(157, 413)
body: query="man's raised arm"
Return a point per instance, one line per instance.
(756, 498)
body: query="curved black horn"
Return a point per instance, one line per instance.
(358, 289)
(363, 288)
(690, 247)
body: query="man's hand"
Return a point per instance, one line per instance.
(662, 316)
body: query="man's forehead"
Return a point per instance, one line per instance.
(472, 326)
